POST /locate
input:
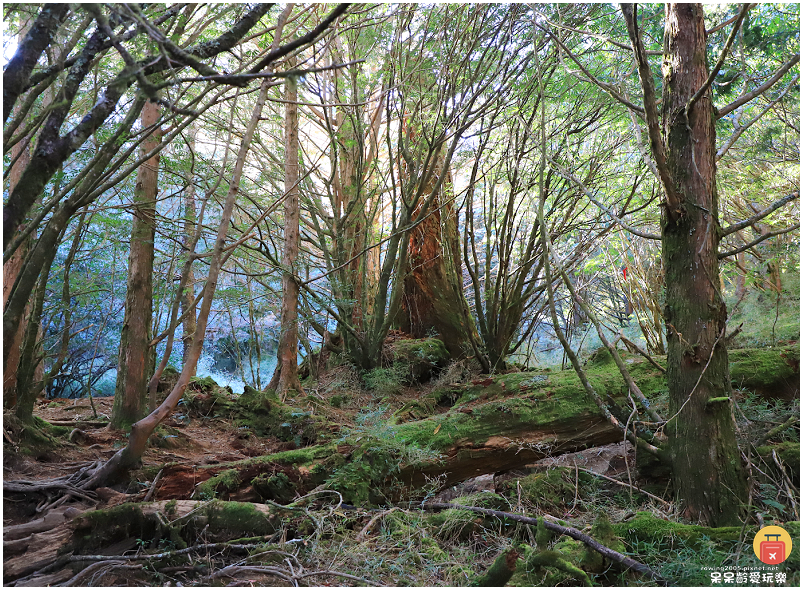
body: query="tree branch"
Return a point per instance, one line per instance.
(760, 239)
(651, 112)
(760, 90)
(18, 70)
(721, 60)
(726, 231)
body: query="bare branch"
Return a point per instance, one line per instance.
(651, 112)
(745, 98)
(602, 207)
(760, 239)
(726, 231)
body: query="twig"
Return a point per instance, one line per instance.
(627, 485)
(95, 568)
(777, 430)
(563, 530)
(787, 483)
(152, 489)
(641, 351)
(365, 531)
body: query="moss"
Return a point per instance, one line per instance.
(277, 487)
(423, 358)
(430, 548)
(170, 508)
(97, 529)
(313, 458)
(555, 559)
(765, 369)
(789, 453)
(204, 384)
(235, 519)
(600, 357)
(501, 570)
(647, 528)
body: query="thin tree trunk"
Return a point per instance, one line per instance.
(140, 432)
(285, 377)
(130, 396)
(190, 214)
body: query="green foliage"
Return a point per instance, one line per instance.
(368, 474)
(386, 381)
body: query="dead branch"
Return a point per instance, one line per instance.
(98, 569)
(614, 556)
(642, 352)
(627, 485)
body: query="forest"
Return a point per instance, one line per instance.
(400, 294)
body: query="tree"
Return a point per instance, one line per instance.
(135, 353)
(710, 484)
(285, 377)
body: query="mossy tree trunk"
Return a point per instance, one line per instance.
(708, 476)
(130, 396)
(433, 298)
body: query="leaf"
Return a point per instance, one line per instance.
(775, 504)
(435, 430)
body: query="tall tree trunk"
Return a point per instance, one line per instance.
(11, 270)
(708, 475)
(433, 298)
(190, 217)
(285, 377)
(130, 396)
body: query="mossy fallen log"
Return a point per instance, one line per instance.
(491, 425)
(150, 527)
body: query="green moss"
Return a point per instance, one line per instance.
(227, 481)
(501, 570)
(421, 358)
(235, 519)
(556, 560)
(664, 533)
(762, 369)
(97, 529)
(277, 487)
(170, 508)
(789, 453)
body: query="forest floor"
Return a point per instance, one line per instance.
(197, 513)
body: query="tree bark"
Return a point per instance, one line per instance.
(130, 396)
(433, 298)
(190, 218)
(285, 377)
(708, 475)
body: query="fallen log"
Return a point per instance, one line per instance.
(492, 425)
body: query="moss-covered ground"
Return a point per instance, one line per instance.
(339, 479)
